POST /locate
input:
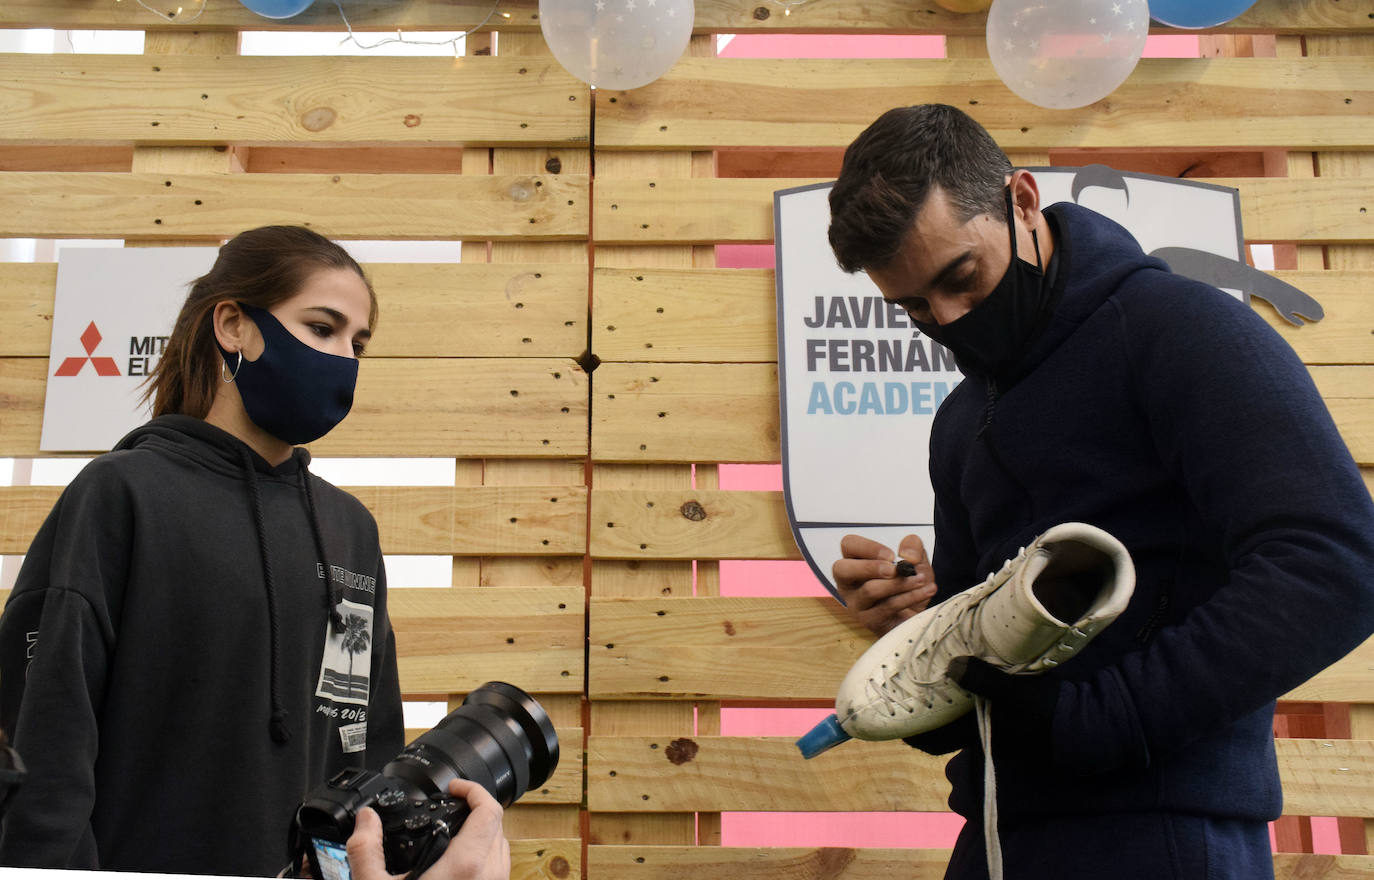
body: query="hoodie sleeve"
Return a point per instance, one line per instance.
(55, 644)
(385, 724)
(1236, 418)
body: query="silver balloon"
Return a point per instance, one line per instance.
(1066, 53)
(617, 44)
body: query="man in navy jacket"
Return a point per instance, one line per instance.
(1102, 388)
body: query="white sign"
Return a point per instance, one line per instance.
(114, 310)
(859, 385)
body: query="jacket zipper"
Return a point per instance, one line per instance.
(987, 411)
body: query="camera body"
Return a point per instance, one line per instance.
(500, 738)
(411, 818)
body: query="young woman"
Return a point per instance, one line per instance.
(199, 636)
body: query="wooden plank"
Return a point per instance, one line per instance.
(730, 315)
(631, 773)
(427, 310)
(725, 16)
(530, 48)
(463, 521)
(499, 520)
(1183, 103)
(1347, 165)
(1346, 334)
(363, 15)
(798, 648)
(1327, 777)
(719, 315)
(154, 158)
(476, 310)
(650, 577)
(1349, 395)
(26, 308)
(542, 858)
(786, 649)
(764, 863)
(507, 407)
(684, 524)
(650, 211)
(729, 412)
(835, 16)
(668, 772)
(710, 412)
(726, 648)
(1348, 680)
(386, 206)
(846, 863)
(451, 641)
(275, 100)
(343, 159)
(526, 407)
(68, 158)
(513, 571)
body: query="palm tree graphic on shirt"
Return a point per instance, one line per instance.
(356, 638)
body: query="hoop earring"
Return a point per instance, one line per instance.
(224, 372)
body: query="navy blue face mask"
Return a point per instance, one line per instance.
(992, 336)
(292, 391)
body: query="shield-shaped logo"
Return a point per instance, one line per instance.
(859, 384)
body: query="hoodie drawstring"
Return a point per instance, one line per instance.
(277, 724)
(332, 595)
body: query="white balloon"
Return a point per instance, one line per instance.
(1066, 53)
(617, 44)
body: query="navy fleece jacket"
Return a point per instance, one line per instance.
(1170, 414)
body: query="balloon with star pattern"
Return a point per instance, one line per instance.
(1062, 54)
(617, 44)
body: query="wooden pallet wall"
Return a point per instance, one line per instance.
(586, 520)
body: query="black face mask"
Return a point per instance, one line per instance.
(991, 337)
(292, 391)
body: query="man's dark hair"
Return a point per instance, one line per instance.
(889, 169)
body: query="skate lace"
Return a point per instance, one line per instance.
(992, 842)
(913, 681)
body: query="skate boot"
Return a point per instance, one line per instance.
(1036, 612)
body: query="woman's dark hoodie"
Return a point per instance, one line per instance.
(169, 670)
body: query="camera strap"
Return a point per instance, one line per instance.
(430, 851)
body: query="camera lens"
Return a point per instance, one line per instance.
(500, 738)
(529, 722)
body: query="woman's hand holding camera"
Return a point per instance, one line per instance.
(479, 851)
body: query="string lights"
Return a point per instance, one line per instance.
(173, 16)
(176, 18)
(400, 38)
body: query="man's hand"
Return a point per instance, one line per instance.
(869, 583)
(1023, 706)
(479, 852)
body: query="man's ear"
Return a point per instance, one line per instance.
(232, 326)
(1025, 195)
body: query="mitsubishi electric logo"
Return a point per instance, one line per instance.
(104, 366)
(121, 303)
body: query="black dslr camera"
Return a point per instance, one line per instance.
(500, 738)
